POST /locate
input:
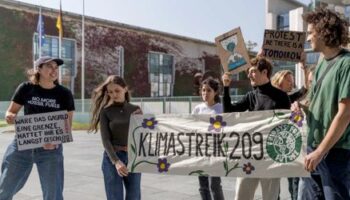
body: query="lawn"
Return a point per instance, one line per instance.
(3, 123)
(80, 126)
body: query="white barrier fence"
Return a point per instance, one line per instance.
(149, 105)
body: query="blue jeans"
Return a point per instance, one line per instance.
(215, 188)
(17, 165)
(114, 183)
(331, 179)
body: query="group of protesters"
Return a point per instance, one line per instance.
(324, 98)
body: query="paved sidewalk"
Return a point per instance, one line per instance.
(83, 175)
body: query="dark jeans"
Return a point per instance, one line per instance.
(215, 188)
(331, 180)
(293, 184)
(114, 183)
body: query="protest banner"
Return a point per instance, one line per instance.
(33, 131)
(283, 45)
(263, 144)
(232, 51)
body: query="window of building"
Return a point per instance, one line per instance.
(282, 65)
(283, 22)
(311, 56)
(234, 91)
(161, 70)
(50, 48)
(347, 12)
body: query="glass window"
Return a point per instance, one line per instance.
(282, 65)
(50, 48)
(311, 56)
(160, 68)
(283, 22)
(347, 12)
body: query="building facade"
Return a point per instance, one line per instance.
(153, 63)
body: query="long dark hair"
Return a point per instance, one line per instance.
(100, 99)
(213, 84)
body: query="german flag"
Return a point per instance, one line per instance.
(59, 24)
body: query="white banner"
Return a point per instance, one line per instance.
(262, 144)
(33, 131)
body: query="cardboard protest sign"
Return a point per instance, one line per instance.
(283, 45)
(232, 51)
(263, 144)
(33, 131)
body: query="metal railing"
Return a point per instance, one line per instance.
(154, 105)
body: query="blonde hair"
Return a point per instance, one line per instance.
(279, 76)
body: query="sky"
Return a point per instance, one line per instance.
(198, 19)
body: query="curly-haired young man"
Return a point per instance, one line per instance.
(328, 114)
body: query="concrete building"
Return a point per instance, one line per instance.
(287, 15)
(284, 15)
(153, 63)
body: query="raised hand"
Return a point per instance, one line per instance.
(226, 79)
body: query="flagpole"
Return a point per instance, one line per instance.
(60, 56)
(40, 32)
(60, 47)
(83, 61)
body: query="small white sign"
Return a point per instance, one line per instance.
(33, 131)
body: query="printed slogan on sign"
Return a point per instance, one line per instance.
(283, 45)
(249, 144)
(33, 131)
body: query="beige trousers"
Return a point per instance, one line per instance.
(246, 187)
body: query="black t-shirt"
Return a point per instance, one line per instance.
(36, 99)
